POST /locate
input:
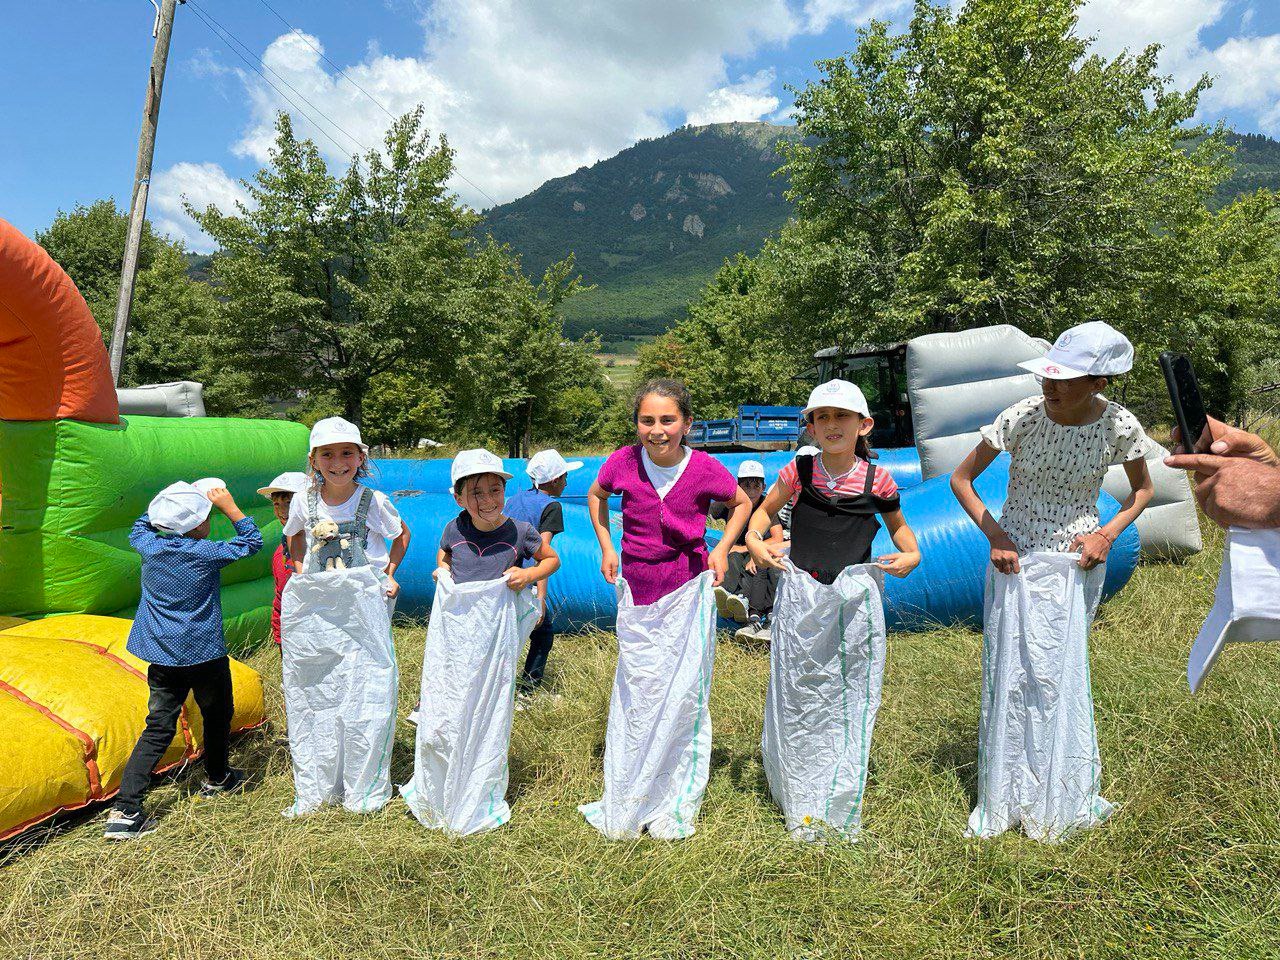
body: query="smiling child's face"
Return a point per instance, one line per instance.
(661, 427)
(338, 463)
(280, 506)
(837, 430)
(483, 497)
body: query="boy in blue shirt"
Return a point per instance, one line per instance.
(178, 631)
(538, 507)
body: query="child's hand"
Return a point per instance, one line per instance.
(1004, 555)
(719, 563)
(392, 588)
(609, 565)
(435, 574)
(519, 577)
(765, 554)
(221, 498)
(899, 564)
(1093, 548)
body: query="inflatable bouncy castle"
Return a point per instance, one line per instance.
(74, 475)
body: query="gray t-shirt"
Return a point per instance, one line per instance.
(487, 554)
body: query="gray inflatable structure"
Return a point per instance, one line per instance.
(182, 399)
(959, 382)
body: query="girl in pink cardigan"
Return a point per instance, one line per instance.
(666, 490)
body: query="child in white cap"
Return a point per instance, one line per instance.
(474, 636)
(538, 505)
(280, 492)
(1060, 445)
(336, 464)
(178, 631)
(746, 595)
(483, 542)
(828, 641)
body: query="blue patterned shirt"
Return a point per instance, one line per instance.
(179, 619)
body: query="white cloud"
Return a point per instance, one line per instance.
(820, 14)
(748, 99)
(201, 184)
(525, 89)
(1246, 69)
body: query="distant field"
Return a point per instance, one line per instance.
(620, 369)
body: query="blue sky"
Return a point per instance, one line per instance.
(525, 89)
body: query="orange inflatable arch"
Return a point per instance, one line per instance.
(53, 364)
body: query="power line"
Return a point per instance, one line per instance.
(232, 41)
(377, 103)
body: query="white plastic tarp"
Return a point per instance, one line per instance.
(657, 751)
(340, 688)
(474, 638)
(1038, 762)
(826, 664)
(1246, 605)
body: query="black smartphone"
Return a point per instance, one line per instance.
(1184, 391)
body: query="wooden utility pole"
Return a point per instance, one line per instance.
(162, 31)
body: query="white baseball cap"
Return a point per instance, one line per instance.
(207, 484)
(1093, 349)
(840, 394)
(179, 508)
(291, 482)
(547, 465)
(336, 430)
(470, 463)
(751, 469)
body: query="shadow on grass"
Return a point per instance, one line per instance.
(956, 755)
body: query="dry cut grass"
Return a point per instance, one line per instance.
(1188, 867)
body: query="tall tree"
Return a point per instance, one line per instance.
(984, 167)
(522, 376)
(329, 282)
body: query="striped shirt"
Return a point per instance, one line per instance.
(849, 485)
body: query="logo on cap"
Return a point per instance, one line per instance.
(1050, 368)
(1065, 340)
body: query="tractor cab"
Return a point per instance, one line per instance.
(881, 374)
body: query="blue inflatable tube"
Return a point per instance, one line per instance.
(432, 476)
(946, 588)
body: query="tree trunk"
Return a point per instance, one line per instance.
(528, 431)
(353, 406)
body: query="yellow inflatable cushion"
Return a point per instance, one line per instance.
(73, 702)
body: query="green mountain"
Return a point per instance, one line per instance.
(651, 225)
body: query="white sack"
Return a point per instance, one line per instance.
(340, 687)
(474, 638)
(826, 663)
(1246, 605)
(657, 749)
(1038, 760)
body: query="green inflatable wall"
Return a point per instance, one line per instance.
(72, 491)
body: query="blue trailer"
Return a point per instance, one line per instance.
(754, 428)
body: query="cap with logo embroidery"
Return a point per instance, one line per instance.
(336, 430)
(471, 463)
(840, 394)
(291, 482)
(751, 469)
(1093, 349)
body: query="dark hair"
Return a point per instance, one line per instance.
(457, 487)
(663, 387)
(861, 448)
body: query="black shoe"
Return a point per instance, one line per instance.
(128, 826)
(233, 782)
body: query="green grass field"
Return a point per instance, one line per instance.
(1188, 867)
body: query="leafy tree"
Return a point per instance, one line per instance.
(521, 377)
(983, 167)
(168, 327)
(330, 282)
